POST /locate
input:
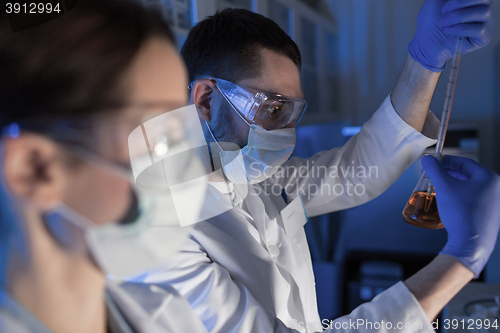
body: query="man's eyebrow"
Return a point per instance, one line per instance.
(264, 90)
(280, 94)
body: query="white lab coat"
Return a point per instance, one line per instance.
(132, 308)
(150, 309)
(244, 271)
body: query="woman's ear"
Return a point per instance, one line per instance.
(203, 97)
(33, 170)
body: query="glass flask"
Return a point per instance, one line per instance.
(421, 209)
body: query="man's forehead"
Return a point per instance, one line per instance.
(278, 74)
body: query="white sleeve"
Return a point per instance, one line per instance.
(362, 169)
(222, 304)
(395, 310)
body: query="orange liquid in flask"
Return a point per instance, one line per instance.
(421, 210)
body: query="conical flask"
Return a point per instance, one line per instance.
(421, 210)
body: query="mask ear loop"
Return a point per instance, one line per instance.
(213, 136)
(210, 149)
(190, 87)
(210, 152)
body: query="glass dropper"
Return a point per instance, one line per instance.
(450, 92)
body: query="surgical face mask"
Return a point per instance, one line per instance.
(148, 235)
(122, 249)
(264, 153)
(168, 197)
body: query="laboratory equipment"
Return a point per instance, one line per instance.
(421, 209)
(474, 308)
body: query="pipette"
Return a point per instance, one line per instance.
(450, 92)
(421, 208)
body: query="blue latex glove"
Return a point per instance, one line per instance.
(468, 200)
(440, 22)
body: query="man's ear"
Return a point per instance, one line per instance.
(203, 97)
(33, 170)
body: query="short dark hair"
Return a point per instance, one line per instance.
(74, 64)
(226, 45)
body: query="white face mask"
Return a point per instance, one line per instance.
(122, 249)
(264, 153)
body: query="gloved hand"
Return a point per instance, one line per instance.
(439, 24)
(468, 200)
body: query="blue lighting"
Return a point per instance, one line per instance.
(350, 130)
(13, 130)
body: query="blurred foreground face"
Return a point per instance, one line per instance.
(157, 83)
(47, 175)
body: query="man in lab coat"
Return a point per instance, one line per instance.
(248, 268)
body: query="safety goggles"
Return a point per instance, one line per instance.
(267, 110)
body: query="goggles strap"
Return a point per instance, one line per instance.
(232, 105)
(213, 136)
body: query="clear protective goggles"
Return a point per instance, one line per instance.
(268, 110)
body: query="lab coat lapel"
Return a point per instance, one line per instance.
(296, 257)
(248, 261)
(268, 221)
(307, 288)
(255, 207)
(280, 289)
(250, 234)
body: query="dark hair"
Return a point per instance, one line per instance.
(73, 65)
(227, 45)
